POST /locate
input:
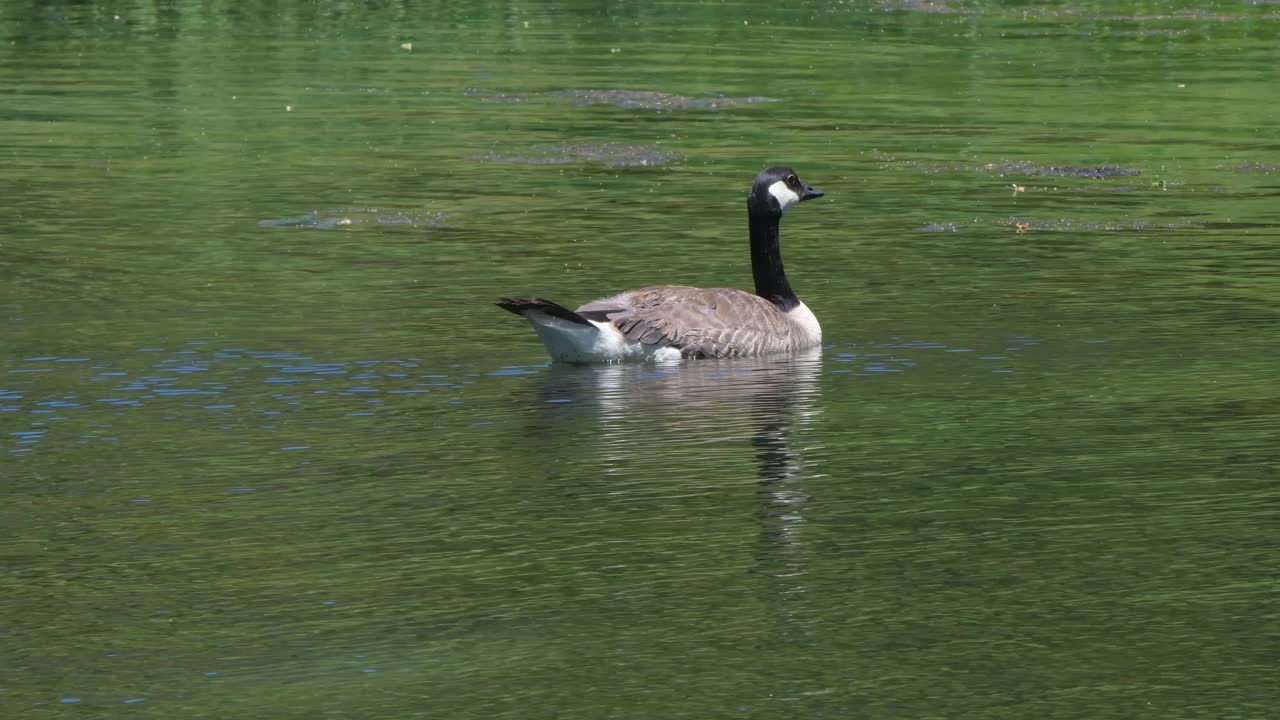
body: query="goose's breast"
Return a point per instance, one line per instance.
(808, 331)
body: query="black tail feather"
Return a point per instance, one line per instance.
(520, 306)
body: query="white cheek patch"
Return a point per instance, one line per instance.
(784, 195)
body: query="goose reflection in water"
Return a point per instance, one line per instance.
(692, 422)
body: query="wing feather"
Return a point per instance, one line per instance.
(701, 322)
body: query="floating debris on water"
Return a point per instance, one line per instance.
(1254, 168)
(1188, 14)
(491, 96)
(611, 154)
(650, 100)
(625, 99)
(947, 7)
(1163, 185)
(1023, 167)
(1021, 226)
(334, 219)
(1012, 167)
(1150, 32)
(939, 7)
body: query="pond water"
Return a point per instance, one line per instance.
(267, 449)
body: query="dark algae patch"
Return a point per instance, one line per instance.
(625, 99)
(604, 153)
(936, 7)
(1023, 225)
(1254, 168)
(1024, 168)
(1080, 12)
(650, 100)
(355, 217)
(1098, 172)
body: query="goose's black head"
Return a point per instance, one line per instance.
(778, 189)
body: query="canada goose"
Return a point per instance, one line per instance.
(669, 322)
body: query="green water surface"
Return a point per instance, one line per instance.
(267, 450)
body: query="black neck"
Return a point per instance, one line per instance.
(766, 260)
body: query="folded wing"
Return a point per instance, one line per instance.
(701, 322)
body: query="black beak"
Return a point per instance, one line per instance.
(811, 193)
